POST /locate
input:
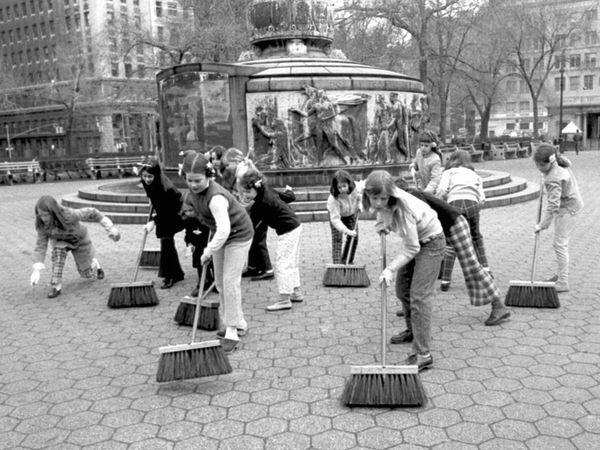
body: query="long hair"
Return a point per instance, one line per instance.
(58, 218)
(341, 176)
(381, 182)
(252, 179)
(546, 153)
(233, 155)
(156, 191)
(459, 158)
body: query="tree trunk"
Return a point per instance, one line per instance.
(485, 121)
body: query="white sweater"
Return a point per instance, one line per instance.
(460, 183)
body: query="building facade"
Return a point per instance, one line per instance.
(578, 64)
(75, 79)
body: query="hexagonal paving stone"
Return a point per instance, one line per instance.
(223, 429)
(439, 417)
(288, 410)
(206, 414)
(266, 427)
(44, 439)
(247, 412)
(425, 436)
(469, 432)
(310, 425)
(136, 432)
(514, 429)
(122, 418)
(332, 440)
(524, 411)
(196, 443)
(90, 435)
(80, 420)
(555, 426)
(242, 443)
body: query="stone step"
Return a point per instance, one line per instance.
(126, 203)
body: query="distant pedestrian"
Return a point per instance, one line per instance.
(563, 203)
(231, 226)
(427, 165)
(343, 205)
(462, 188)
(421, 249)
(267, 207)
(62, 228)
(166, 202)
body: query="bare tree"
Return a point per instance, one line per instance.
(536, 34)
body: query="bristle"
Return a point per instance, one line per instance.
(208, 319)
(384, 389)
(150, 258)
(132, 296)
(351, 276)
(192, 363)
(532, 295)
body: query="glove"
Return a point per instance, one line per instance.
(288, 188)
(386, 277)
(537, 228)
(35, 275)
(149, 226)
(351, 233)
(114, 234)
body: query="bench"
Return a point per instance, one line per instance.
(19, 171)
(120, 164)
(511, 150)
(497, 151)
(524, 150)
(476, 155)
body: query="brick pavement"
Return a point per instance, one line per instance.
(74, 374)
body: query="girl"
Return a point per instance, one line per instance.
(461, 187)
(417, 266)
(215, 156)
(563, 202)
(427, 166)
(343, 205)
(166, 201)
(267, 207)
(62, 227)
(232, 231)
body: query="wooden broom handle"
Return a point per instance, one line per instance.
(383, 302)
(351, 240)
(537, 235)
(200, 296)
(139, 258)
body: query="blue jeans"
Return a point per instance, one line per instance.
(415, 285)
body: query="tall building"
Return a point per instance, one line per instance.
(75, 81)
(578, 63)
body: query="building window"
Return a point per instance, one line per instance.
(511, 107)
(172, 7)
(511, 85)
(591, 14)
(557, 84)
(159, 10)
(524, 126)
(590, 60)
(574, 83)
(524, 106)
(141, 70)
(510, 126)
(128, 70)
(34, 31)
(575, 61)
(591, 37)
(32, 6)
(588, 82)
(523, 87)
(160, 33)
(114, 69)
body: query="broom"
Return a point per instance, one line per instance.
(209, 310)
(150, 259)
(533, 294)
(135, 293)
(350, 275)
(193, 360)
(388, 386)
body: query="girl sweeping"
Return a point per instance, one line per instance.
(426, 168)
(563, 203)
(166, 201)
(462, 187)
(267, 207)
(343, 205)
(417, 265)
(232, 232)
(62, 228)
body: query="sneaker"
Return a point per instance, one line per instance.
(266, 275)
(100, 274)
(552, 279)
(400, 338)
(296, 298)
(422, 361)
(54, 292)
(497, 316)
(240, 331)
(250, 273)
(281, 305)
(229, 345)
(445, 286)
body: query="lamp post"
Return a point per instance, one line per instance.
(560, 107)
(9, 148)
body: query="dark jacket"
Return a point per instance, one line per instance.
(269, 208)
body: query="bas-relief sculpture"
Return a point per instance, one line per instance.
(320, 128)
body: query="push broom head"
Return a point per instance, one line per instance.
(386, 386)
(150, 258)
(131, 295)
(209, 314)
(346, 275)
(185, 361)
(532, 294)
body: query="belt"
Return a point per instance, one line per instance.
(427, 240)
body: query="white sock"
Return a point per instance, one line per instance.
(231, 334)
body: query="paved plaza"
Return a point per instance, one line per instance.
(75, 374)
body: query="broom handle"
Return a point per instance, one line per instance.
(383, 302)
(351, 240)
(199, 297)
(139, 258)
(537, 235)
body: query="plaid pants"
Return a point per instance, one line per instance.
(59, 257)
(470, 210)
(480, 284)
(337, 237)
